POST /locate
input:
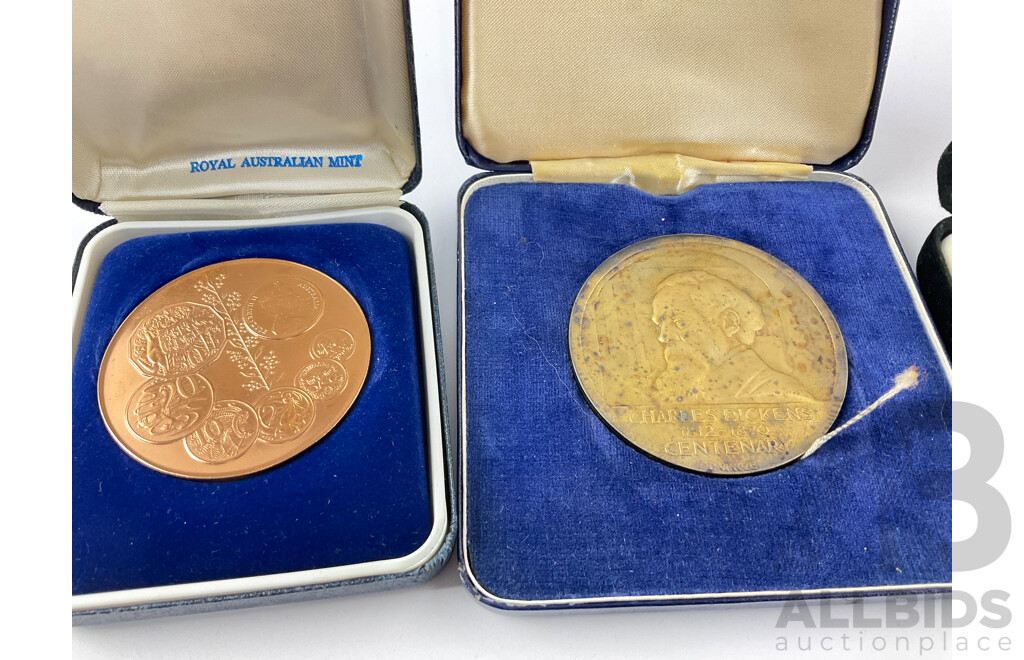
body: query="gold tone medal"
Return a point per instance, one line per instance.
(708, 354)
(233, 368)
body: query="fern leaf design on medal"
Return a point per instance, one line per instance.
(257, 363)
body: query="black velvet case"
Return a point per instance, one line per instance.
(934, 266)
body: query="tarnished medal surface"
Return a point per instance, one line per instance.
(233, 368)
(708, 354)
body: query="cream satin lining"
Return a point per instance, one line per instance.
(726, 80)
(663, 174)
(160, 84)
(245, 206)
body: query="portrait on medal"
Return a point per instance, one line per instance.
(707, 327)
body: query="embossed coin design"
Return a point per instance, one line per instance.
(708, 354)
(233, 368)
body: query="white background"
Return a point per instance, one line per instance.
(440, 618)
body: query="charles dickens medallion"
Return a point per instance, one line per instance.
(233, 368)
(708, 354)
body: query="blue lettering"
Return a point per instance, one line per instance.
(274, 161)
(344, 161)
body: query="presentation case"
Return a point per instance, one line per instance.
(935, 260)
(210, 132)
(596, 124)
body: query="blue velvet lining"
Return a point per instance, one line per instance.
(360, 494)
(559, 507)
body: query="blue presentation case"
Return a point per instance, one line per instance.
(556, 512)
(368, 508)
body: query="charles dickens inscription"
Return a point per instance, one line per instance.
(725, 430)
(712, 415)
(708, 354)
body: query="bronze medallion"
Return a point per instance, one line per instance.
(708, 354)
(233, 368)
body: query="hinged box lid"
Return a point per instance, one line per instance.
(776, 81)
(242, 104)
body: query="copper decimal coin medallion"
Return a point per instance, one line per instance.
(233, 368)
(708, 354)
